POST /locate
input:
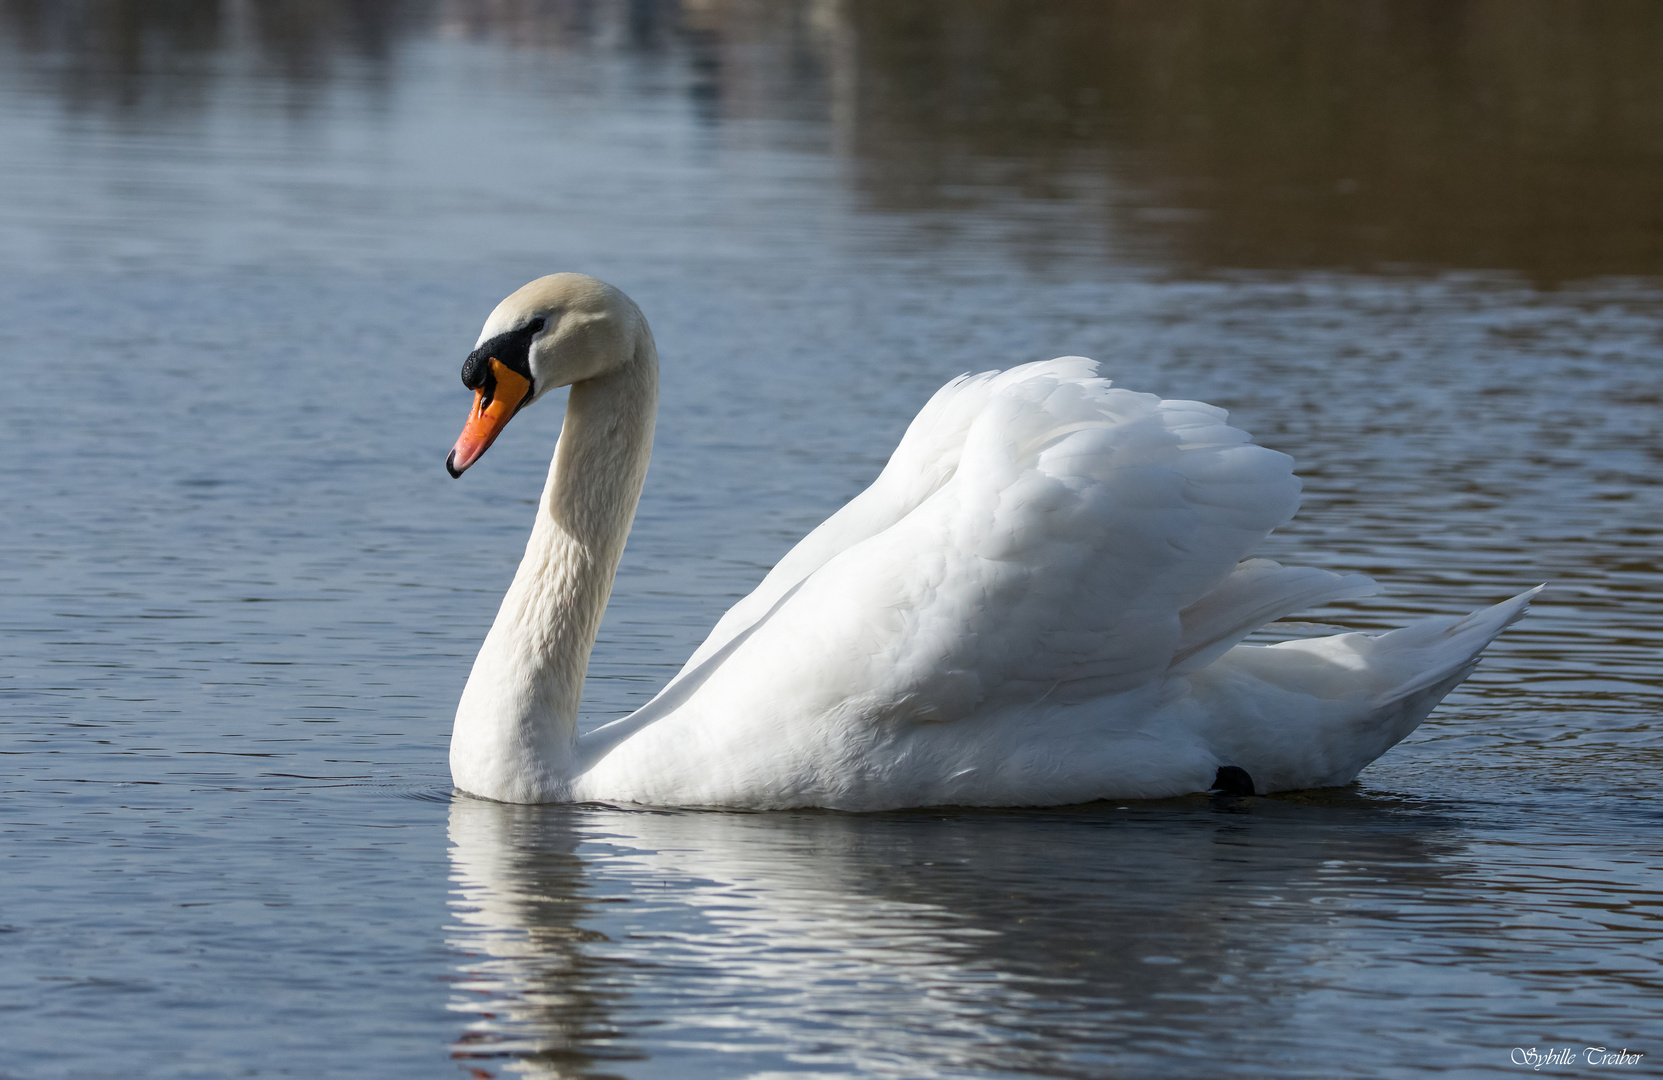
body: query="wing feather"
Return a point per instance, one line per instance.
(1038, 533)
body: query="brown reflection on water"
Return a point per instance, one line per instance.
(1523, 135)
(1514, 135)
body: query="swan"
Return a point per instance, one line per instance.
(1039, 601)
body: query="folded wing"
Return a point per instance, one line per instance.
(1038, 535)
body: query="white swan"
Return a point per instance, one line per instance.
(1039, 601)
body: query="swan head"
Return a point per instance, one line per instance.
(552, 332)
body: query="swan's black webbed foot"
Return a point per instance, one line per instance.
(1233, 780)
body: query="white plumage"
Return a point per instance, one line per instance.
(1039, 601)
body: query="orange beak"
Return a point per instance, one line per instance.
(493, 406)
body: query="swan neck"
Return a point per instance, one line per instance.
(588, 506)
(516, 727)
(599, 464)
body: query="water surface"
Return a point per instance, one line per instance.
(249, 246)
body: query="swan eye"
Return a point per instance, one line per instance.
(511, 349)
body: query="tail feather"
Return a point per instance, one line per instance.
(1397, 664)
(1258, 591)
(1314, 713)
(1434, 649)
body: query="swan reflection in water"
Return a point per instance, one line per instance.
(960, 941)
(517, 898)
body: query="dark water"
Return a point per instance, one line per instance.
(1418, 246)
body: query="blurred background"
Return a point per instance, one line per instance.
(1383, 135)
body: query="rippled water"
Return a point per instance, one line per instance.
(239, 595)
